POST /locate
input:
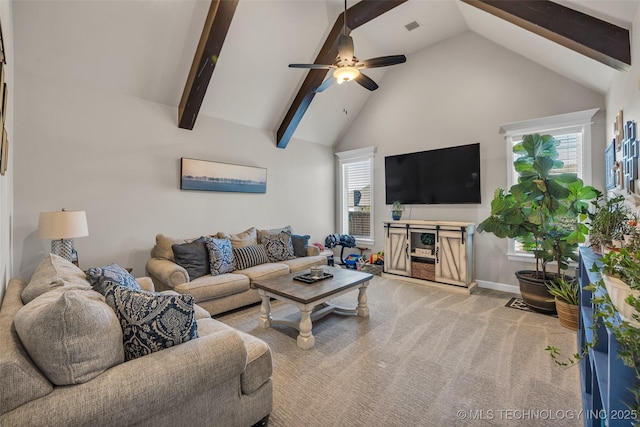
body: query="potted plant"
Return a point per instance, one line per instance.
(609, 222)
(621, 279)
(543, 211)
(565, 292)
(396, 210)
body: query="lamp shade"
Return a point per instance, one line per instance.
(62, 225)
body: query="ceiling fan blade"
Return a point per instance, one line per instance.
(325, 84)
(345, 47)
(382, 61)
(313, 66)
(366, 82)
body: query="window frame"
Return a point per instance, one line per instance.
(354, 156)
(580, 121)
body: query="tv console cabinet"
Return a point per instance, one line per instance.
(435, 253)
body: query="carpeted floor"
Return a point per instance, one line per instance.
(425, 357)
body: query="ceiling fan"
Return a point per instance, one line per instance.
(347, 67)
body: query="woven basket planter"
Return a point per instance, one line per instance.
(567, 314)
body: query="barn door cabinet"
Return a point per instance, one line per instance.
(430, 252)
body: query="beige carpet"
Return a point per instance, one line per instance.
(425, 357)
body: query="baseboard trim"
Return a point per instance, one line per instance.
(499, 286)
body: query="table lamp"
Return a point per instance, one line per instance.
(61, 227)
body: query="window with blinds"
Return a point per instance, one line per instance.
(356, 199)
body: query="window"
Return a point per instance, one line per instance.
(573, 130)
(355, 193)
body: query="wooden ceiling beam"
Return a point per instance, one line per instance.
(213, 35)
(357, 15)
(585, 34)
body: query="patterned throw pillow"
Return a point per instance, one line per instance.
(220, 256)
(151, 321)
(278, 246)
(250, 256)
(193, 257)
(112, 273)
(300, 244)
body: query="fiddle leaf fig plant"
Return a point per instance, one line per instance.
(544, 210)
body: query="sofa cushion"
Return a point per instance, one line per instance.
(163, 246)
(248, 237)
(53, 272)
(304, 263)
(278, 246)
(22, 381)
(271, 231)
(300, 244)
(209, 287)
(193, 257)
(249, 256)
(265, 271)
(112, 273)
(71, 334)
(220, 256)
(151, 321)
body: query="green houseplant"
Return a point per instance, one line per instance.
(396, 210)
(608, 222)
(565, 293)
(543, 211)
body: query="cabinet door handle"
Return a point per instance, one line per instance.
(437, 255)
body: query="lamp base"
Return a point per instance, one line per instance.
(63, 248)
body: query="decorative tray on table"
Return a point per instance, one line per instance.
(308, 278)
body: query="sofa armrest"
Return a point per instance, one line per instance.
(146, 284)
(312, 250)
(168, 272)
(127, 393)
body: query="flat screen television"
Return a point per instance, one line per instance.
(444, 176)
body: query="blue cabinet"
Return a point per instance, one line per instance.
(605, 380)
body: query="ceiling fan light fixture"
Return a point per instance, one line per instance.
(345, 74)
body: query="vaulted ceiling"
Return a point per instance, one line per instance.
(145, 49)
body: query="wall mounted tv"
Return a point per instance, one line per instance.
(444, 176)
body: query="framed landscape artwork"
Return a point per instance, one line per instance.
(204, 175)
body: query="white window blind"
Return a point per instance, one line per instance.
(356, 193)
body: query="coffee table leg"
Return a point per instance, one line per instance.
(305, 339)
(362, 310)
(265, 310)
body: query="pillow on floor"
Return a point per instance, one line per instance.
(151, 321)
(220, 256)
(300, 244)
(193, 257)
(250, 256)
(112, 273)
(278, 246)
(70, 334)
(53, 272)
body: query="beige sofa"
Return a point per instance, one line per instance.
(223, 377)
(228, 291)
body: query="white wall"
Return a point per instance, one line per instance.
(118, 158)
(624, 93)
(459, 92)
(6, 181)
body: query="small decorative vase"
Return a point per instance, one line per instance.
(396, 215)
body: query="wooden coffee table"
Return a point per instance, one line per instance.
(312, 299)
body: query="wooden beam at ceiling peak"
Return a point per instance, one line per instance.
(357, 15)
(585, 34)
(213, 35)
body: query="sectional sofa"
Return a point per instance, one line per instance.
(218, 292)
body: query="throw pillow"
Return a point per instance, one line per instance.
(193, 257)
(163, 246)
(273, 231)
(246, 238)
(250, 256)
(300, 244)
(112, 273)
(220, 256)
(151, 321)
(278, 246)
(71, 334)
(52, 272)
